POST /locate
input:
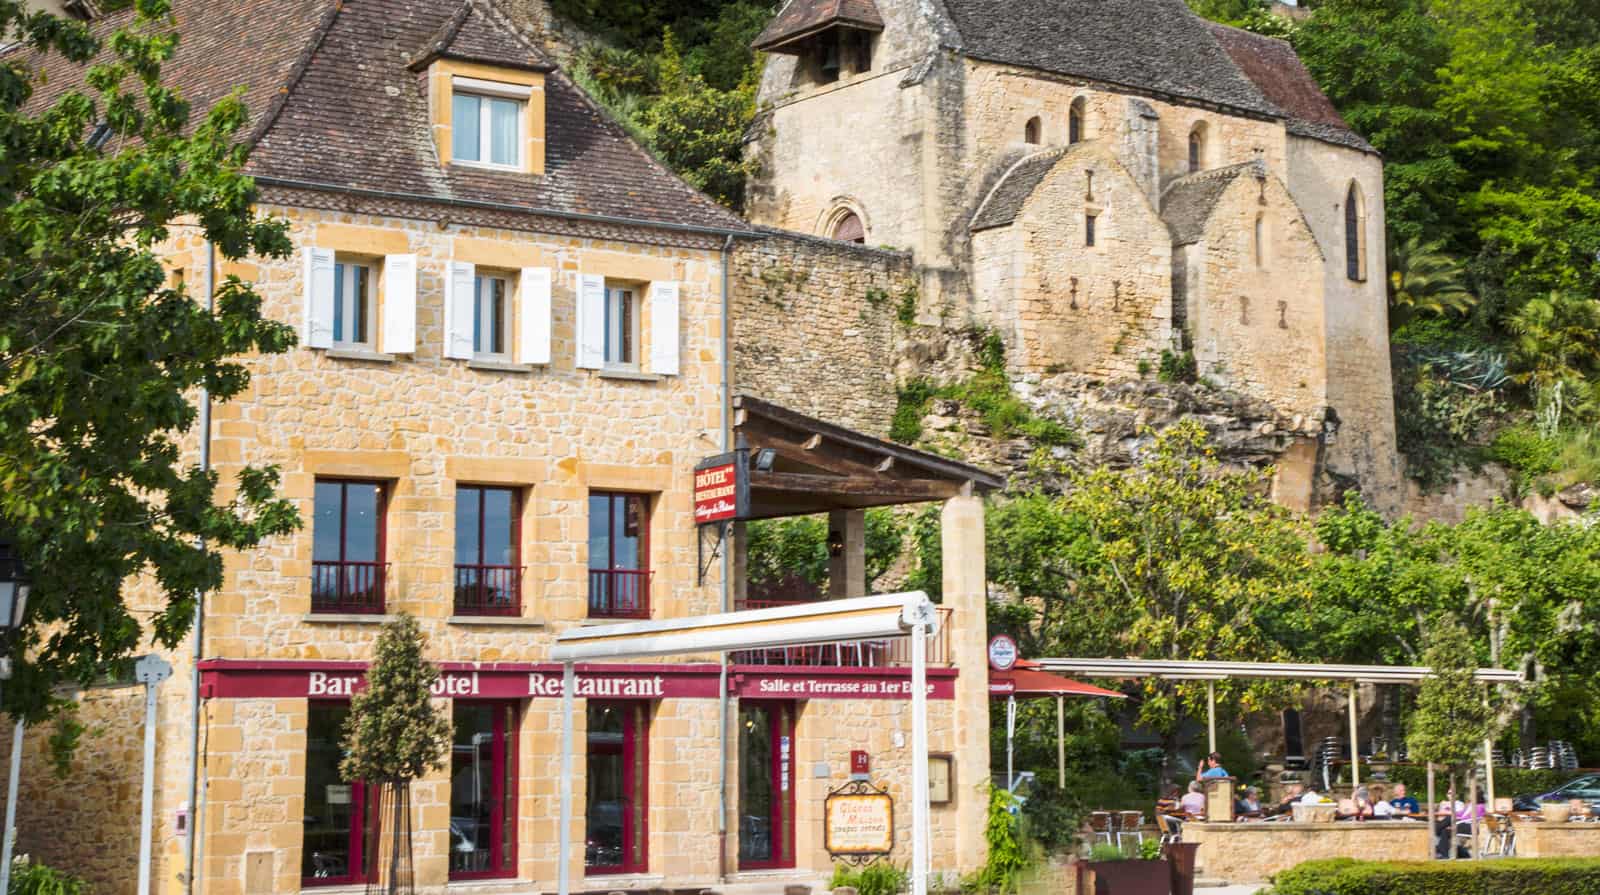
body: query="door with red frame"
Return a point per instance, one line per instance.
(617, 807)
(483, 790)
(766, 785)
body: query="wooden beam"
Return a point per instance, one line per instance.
(854, 486)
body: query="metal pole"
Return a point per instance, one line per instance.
(724, 399)
(564, 832)
(1431, 812)
(1211, 717)
(919, 759)
(1061, 743)
(11, 809)
(196, 797)
(1355, 746)
(151, 671)
(1011, 732)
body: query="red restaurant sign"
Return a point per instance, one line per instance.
(235, 679)
(721, 489)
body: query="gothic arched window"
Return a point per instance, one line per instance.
(1197, 147)
(1030, 131)
(848, 228)
(1355, 237)
(1075, 121)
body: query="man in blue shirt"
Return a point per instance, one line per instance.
(1404, 804)
(1211, 767)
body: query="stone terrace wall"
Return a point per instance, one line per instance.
(814, 326)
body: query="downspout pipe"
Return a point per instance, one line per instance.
(197, 634)
(727, 570)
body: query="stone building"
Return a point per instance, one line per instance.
(513, 352)
(1100, 182)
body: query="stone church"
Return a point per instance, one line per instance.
(1101, 181)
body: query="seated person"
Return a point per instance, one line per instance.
(1402, 803)
(1168, 803)
(1193, 802)
(1358, 806)
(1249, 803)
(1291, 794)
(1211, 767)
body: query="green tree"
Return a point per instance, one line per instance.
(1452, 719)
(781, 552)
(1425, 280)
(1180, 558)
(393, 734)
(101, 356)
(699, 130)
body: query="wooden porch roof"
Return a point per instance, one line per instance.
(818, 466)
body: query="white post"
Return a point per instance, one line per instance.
(1011, 732)
(151, 671)
(919, 759)
(564, 832)
(1355, 745)
(11, 809)
(1211, 717)
(1061, 743)
(1488, 772)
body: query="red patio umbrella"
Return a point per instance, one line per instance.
(1027, 682)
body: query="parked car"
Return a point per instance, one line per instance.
(1586, 788)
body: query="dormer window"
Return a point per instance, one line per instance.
(487, 123)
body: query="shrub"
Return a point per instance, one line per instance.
(1177, 367)
(877, 878)
(914, 397)
(28, 878)
(1508, 876)
(1507, 781)
(1105, 851)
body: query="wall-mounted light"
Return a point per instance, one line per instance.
(765, 458)
(835, 542)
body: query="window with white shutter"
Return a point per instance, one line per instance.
(591, 319)
(460, 293)
(320, 278)
(664, 327)
(533, 316)
(399, 305)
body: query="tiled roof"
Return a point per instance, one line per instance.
(801, 18)
(1157, 46)
(1005, 201)
(1188, 202)
(335, 105)
(1275, 68)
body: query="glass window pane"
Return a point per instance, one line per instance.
(505, 118)
(628, 522)
(497, 320)
(358, 301)
(498, 546)
(330, 802)
(599, 531)
(472, 783)
(755, 784)
(478, 315)
(607, 796)
(467, 534)
(325, 522)
(361, 522)
(464, 127)
(339, 274)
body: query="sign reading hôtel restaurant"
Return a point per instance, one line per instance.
(721, 489)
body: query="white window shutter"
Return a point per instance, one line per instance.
(459, 283)
(591, 321)
(399, 305)
(664, 328)
(319, 287)
(533, 316)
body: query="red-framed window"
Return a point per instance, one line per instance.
(766, 785)
(340, 832)
(483, 790)
(347, 558)
(619, 555)
(617, 770)
(488, 551)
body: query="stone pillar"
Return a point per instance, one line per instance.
(847, 572)
(962, 540)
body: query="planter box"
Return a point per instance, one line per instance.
(1555, 812)
(1315, 814)
(1131, 878)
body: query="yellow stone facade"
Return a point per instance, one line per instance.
(422, 423)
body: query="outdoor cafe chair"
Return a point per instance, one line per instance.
(1164, 825)
(1130, 823)
(1100, 823)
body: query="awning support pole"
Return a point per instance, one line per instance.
(919, 759)
(1061, 743)
(1011, 733)
(1211, 717)
(564, 833)
(1355, 744)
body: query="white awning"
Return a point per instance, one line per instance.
(1218, 671)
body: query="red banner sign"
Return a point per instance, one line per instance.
(721, 491)
(752, 682)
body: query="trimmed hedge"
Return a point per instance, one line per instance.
(1507, 781)
(1501, 876)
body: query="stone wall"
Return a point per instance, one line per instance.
(1253, 852)
(1257, 325)
(814, 326)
